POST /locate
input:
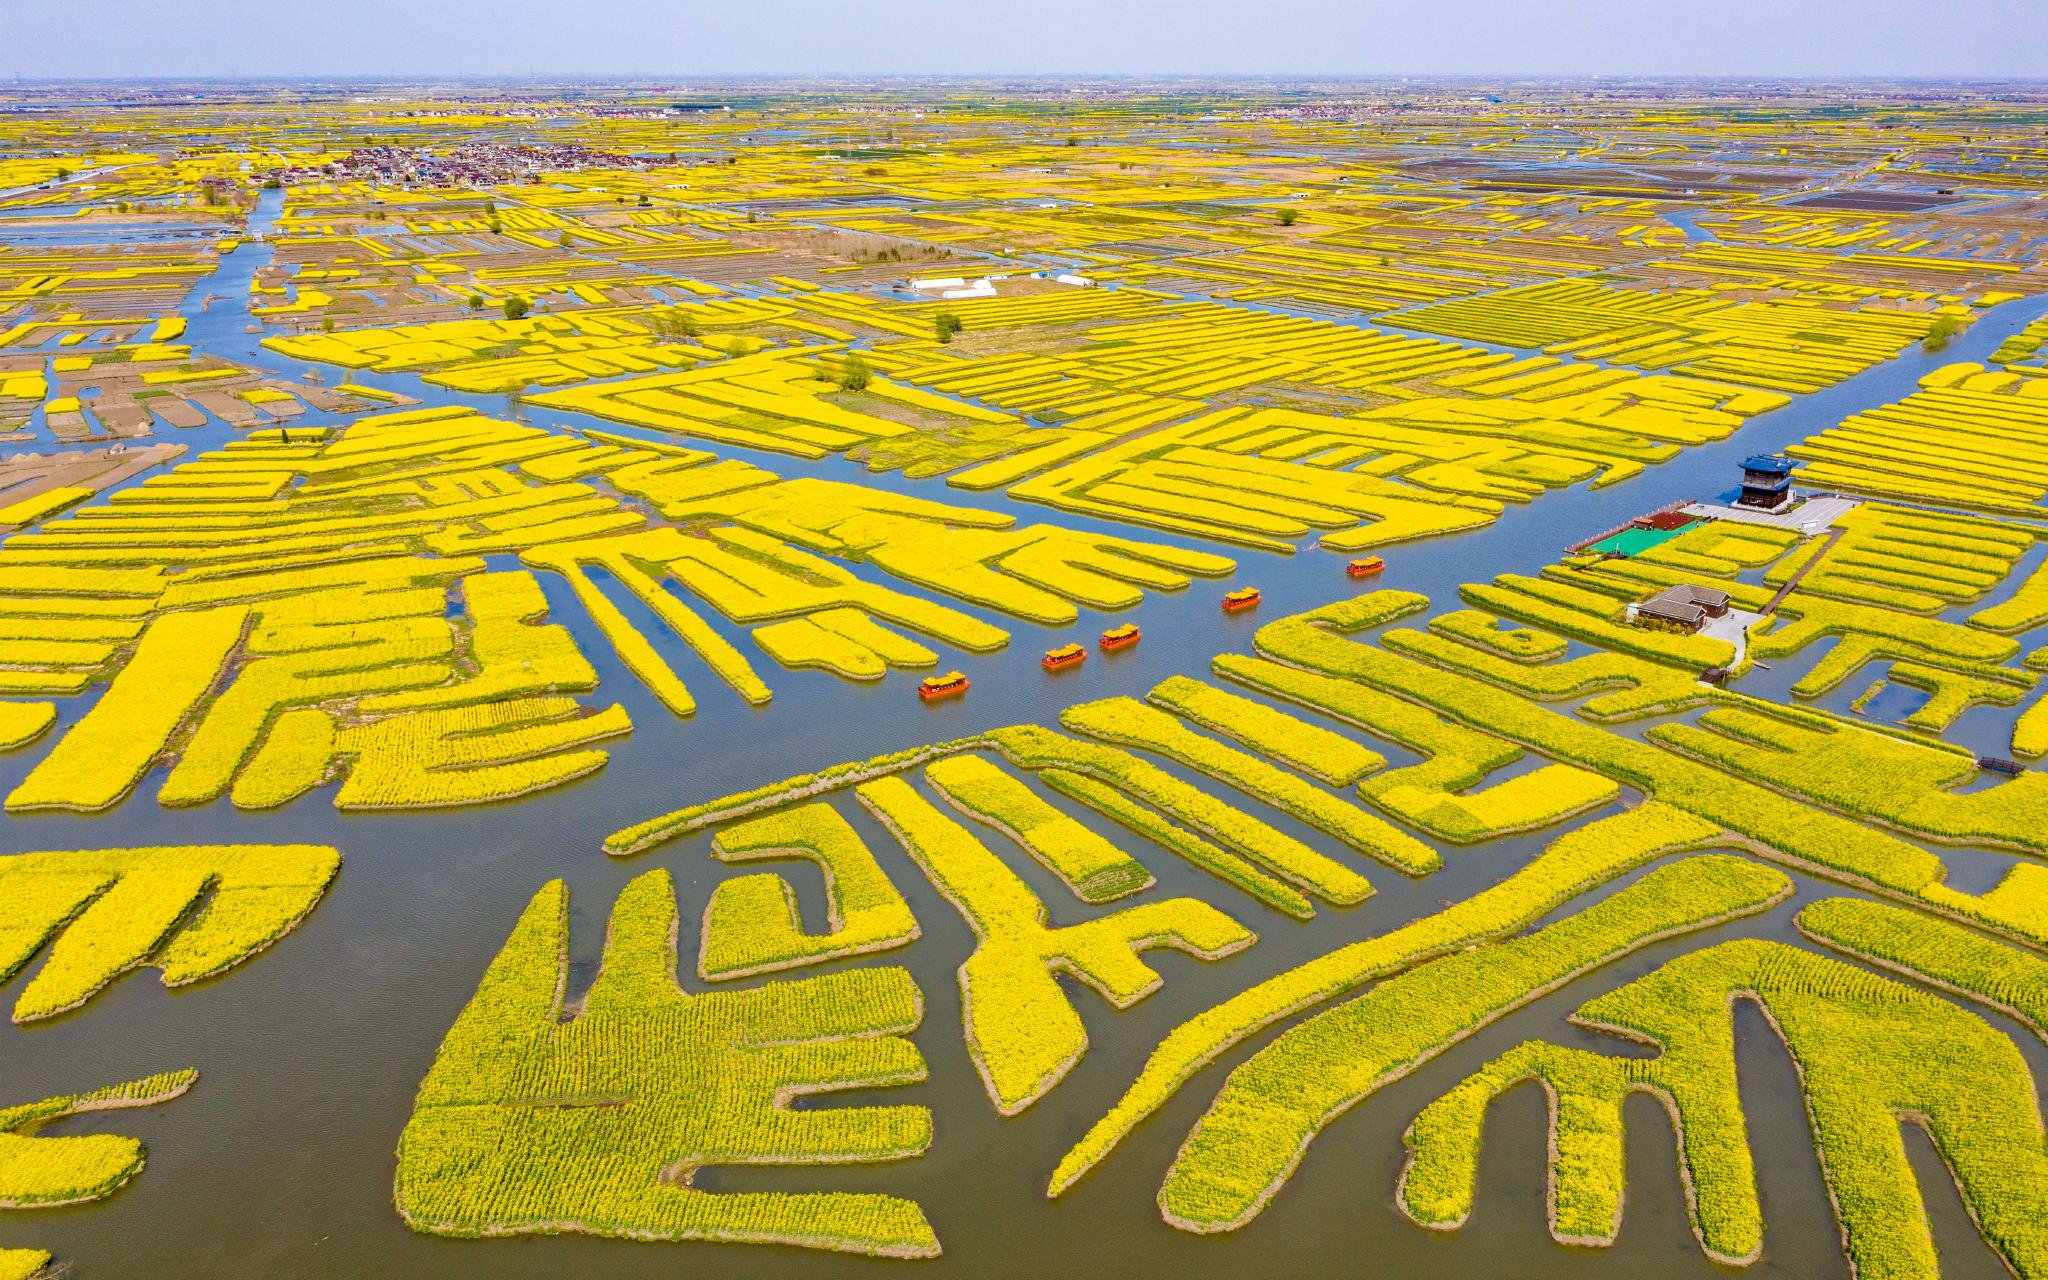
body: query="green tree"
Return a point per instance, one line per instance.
(1288, 217)
(515, 308)
(672, 324)
(945, 325)
(475, 302)
(1944, 332)
(854, 373)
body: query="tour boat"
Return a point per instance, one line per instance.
(1067, 655)
(950, 685)
(1365, 568)
(1242, 598)
(1122, 637)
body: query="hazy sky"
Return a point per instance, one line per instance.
(40, 38)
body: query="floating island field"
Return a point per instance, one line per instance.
(992, 680)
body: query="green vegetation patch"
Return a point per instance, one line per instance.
(1021, 1032)
(193, 911)
(1872, 1054)
(751, 925)
(1252, 1136)
(529, 1124)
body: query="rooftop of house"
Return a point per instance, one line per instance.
(1688, 593)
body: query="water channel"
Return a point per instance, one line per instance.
(279, 1162)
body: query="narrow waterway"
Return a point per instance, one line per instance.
(279, 1163)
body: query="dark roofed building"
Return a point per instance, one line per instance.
(1684, 606)
(1766, 481)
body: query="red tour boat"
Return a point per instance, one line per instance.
(950, 685)
(1067, 655)
(1365, 568)
(1121, 637)
(1242, 598)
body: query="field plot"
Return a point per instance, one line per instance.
(1792, 346)
(1151, 419)
(1391, 1003)
(1968, 438)
(62, 297)
(276, 612)
(1020, 680)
